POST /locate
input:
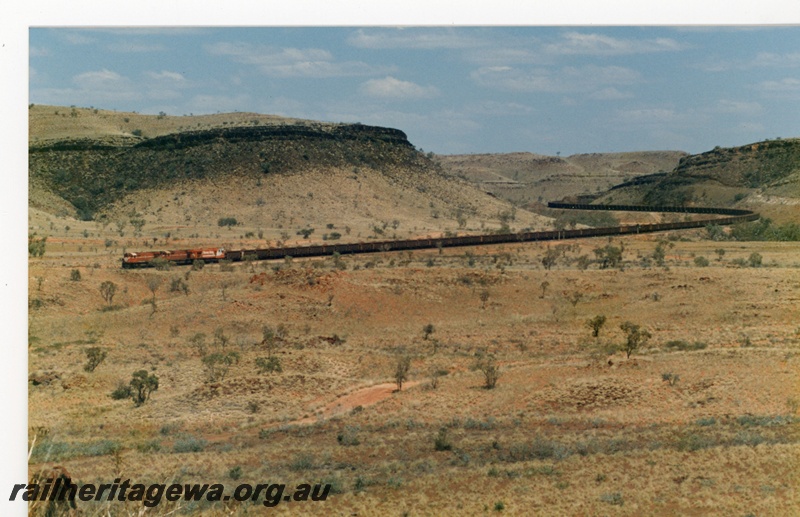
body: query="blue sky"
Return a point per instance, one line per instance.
(451, 89)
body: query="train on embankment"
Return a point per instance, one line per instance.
(188, 256)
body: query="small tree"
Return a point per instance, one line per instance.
(484, 298)
(94, 356)
(402, 367)
(218, 364)
(427, 330)
(153, 283)
(755, 259)
(659, 254)
(75, 275)
(596, 324)
(268, 364)
(36, 246)
(442, 441)
(635, 337)
(491, 372)
(609, 256)
(544, 285)
(271, 338)
(199, 342)
(220, 338)
(107, 290)
(142, 385)
(550, 258)
(720, 253)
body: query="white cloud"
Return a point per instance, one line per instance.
(610, 94)
(167, 76)
(738, 107)
(101, 80)
(291, 62)
(495, 108)
(411, 38)
(568, 79)
(74, 38)
(602, 45)
(392, 88)
(38, 52)
(761, 60)
(660, 117)
(130, 47)
(788, 85)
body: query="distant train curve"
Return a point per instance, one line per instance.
(188, 256)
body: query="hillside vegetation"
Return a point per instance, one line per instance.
(763, 176)
(264, 172)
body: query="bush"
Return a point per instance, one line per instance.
(94, 356)
(179, 285)
(107, 290)
(218, 364)
(679, 344)
(754, 259)
(701, 262)
(75, 275)
(635, 337)
(161, 264)
(401, 370)
(671, 378)
(235, 473)
(142, 385)
(269, 364)
(36, 246)
(227, 221)
(442, 441)
(596, 324)
(491, 372)
(349, 436)
(122, 391)
(189, 444)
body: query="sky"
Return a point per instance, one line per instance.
(476, 89)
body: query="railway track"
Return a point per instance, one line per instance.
(731, 216)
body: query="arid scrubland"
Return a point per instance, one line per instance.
(701, 419)
(644, 375)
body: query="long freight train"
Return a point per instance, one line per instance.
(150, 258)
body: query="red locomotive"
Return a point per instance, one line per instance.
(146, 258)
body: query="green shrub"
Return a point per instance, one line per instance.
(442, 441)
(94, 356)
(227, 221)
(189, 444)
(701, 262)
(679, 344)
(268, 364)
(142, 385)
(122, 391)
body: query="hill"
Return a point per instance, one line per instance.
(274, 176)
(528, 178)
(763, 176)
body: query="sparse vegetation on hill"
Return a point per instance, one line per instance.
(720, 177)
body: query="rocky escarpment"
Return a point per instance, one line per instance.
(719, 177)
(90, 173)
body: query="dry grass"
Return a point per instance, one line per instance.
(567, 430)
